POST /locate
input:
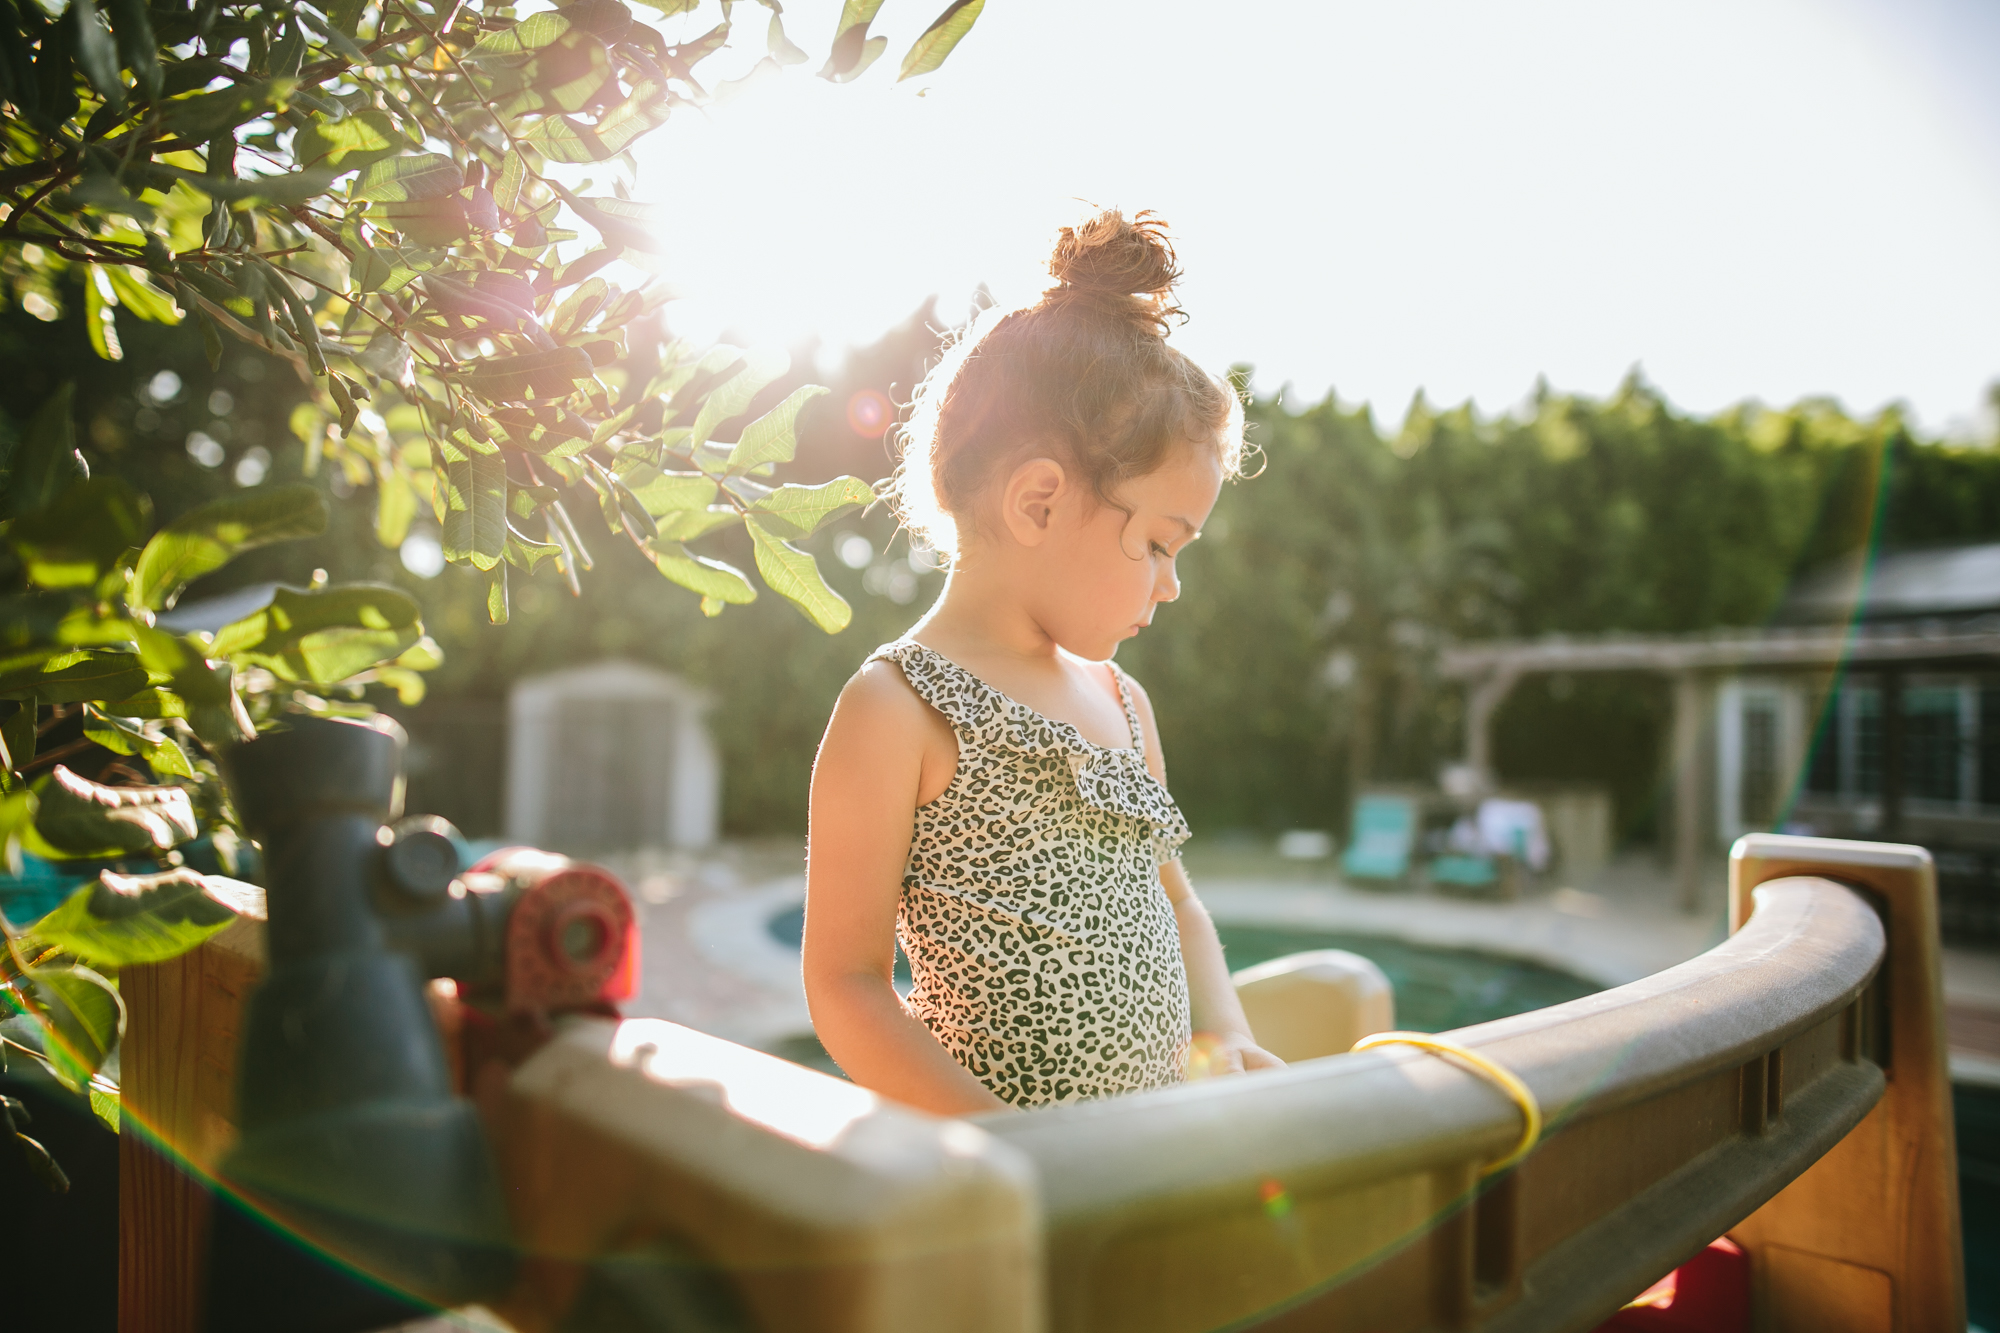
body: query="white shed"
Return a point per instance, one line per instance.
(613, 756)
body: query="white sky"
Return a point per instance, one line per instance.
(1760, 200)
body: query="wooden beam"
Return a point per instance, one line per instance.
(178, 1089)
(1688, 788)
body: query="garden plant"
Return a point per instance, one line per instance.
(425, 210)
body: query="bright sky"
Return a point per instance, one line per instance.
(1748, 200)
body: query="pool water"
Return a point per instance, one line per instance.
(1436, 989)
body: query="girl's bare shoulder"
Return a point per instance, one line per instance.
(878, 707)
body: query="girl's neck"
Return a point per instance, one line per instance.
(981, 615)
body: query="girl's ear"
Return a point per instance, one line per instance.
(1028, 501)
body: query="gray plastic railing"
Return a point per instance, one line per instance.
(1349, 1185)
(1787, 1088)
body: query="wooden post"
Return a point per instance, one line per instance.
(1895, 770)
(1687, 790)
(178, 1062)
(1867, 1240)
(1482, 701)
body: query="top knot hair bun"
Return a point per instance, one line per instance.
(1120, 262)
(1085, 375)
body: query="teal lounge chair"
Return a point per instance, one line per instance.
(1383, 836)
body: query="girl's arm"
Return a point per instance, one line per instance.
(1223, 1042)
(881, 757)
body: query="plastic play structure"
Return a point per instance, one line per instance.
(1786, 1090)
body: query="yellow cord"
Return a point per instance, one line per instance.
(1505, 1079)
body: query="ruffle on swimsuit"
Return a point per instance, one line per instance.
(1112, 779)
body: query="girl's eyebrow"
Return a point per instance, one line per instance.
(1192, 529)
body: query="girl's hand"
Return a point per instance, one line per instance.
(1213, 1054)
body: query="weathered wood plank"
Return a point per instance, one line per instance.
(178, 1067)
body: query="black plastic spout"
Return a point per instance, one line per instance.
(352, 1138)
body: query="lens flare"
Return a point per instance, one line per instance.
(869, 413)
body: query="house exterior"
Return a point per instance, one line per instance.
(1869, 709)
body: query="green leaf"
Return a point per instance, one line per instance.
(533, 375)
(205, 539)
(137, 294)
(84, 818)
(735, 394)
(408, 685)
(570, 74)
(335, 38)
(150, 705)
(323, 637)
(123, 920)
(395, 506)
(81, 1017)
(782, 48)
(100, 191)
(35, 626)
(432, 223)
(17, 820)
(475, 519)
(578, 307)
(204, 692)
(128, 735)
(626, 223)
(137, 46)
(930, 50)
(294, 187)
(566, 139)
(417, 176)
(17, 737)
(684, 525)
(46, 461)
(203, 116)
(798, 511)
(98, 322)
(795, 576)
(710, 578)
(665, 492)
(509, 182)
(96, 53)
(74, 541)
(773, 437)
(360, 139)
(853, 49)
(423, 655)
(530, 34)
(78, 677)
(496, 595)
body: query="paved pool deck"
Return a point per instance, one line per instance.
(711, 963)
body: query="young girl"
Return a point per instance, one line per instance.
(990, 787)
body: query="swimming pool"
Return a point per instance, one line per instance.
(1436, 989)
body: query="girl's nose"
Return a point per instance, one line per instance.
(1167, 586)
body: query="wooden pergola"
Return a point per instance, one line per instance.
(1491, 669)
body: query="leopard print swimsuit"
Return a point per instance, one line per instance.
(1044, 950)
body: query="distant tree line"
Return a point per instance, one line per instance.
(1297, 664)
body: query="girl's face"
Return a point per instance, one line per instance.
(1104, 568)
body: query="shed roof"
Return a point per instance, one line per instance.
(1943, 581)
